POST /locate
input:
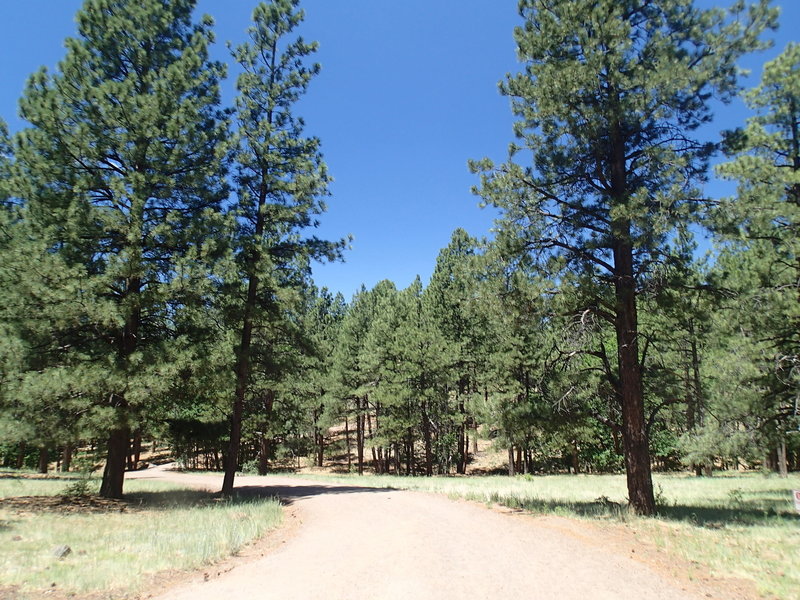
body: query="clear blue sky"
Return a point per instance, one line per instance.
(407, 94)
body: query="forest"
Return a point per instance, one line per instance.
(157, 247)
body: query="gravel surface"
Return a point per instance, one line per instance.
(348, 542)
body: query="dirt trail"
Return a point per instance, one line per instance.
(363, 543)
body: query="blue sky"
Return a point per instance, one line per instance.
(407, 94)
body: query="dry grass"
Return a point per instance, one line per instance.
(115, 550)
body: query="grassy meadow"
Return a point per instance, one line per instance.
(161, 527)
(732, 525)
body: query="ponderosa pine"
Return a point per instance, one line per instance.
(763, 221)
(121, 173)
(609, 101)
(280, 180)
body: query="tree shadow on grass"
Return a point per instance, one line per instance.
(132, 502)
(744, 514)
(757, 512)
(40, 476)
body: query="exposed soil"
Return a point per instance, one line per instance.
(351, 542)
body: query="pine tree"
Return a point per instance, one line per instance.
(361, 365)
(322, 324)
(121, 175)
(734, 407)
(450, 299)
(520, 354)
(5, 163)
(608, 103)
(763, 221)
(280, 180)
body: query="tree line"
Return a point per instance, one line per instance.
(156, 258)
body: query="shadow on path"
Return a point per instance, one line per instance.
(290, 494)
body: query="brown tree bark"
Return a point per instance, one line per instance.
(268, 401)
(263, 454)
(44, 461)
(119, 438)
(23, 449)
(427, 440)
(243, 366)
(634, 430)
(360, 408)
(410, 452)
(114, 473)
(475, 437)
(783, 468)
(135, 452)
(634, 434)
(463, 438)
(347, 440)
(66, 458)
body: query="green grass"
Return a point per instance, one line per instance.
(163, 527)
(741, 526)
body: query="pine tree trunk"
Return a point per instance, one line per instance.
(511, 472)
(697, 382)
(319, 439)
(320, 448)
(426, 435)
(66, 458)
(135, 452)
(771, 460)
(360, 435)
(232, 456)
(375, 464)
(575, 462)
(44, 461)
(410, 452)
(634, 433)
(347, 440)
(463, 438)
(783, 469)
(242, 371)
(23, 449)
(117, 455)
(475, 437)
(119, 438)
(263, 457)
(268, 401)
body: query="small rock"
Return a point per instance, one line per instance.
(61, 551)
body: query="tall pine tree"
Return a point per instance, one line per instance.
(610, 97)
(280, 179)
(763, 222)
(121, 174)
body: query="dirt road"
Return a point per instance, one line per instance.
(364, 543)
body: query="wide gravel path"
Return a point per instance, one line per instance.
(363, 543)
